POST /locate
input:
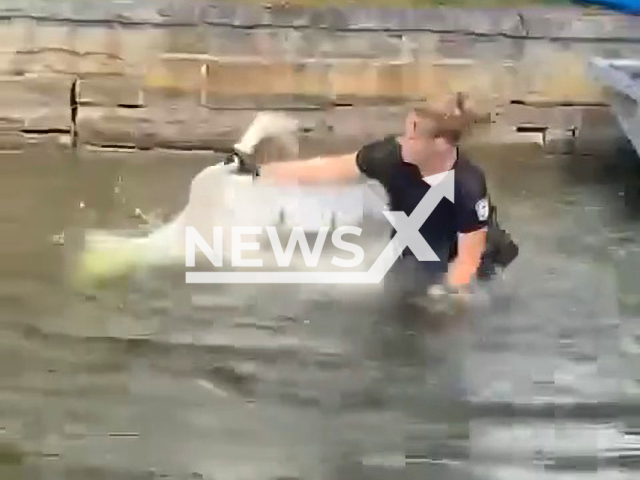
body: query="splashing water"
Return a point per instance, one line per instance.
(220, 198)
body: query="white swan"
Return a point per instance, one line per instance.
(219, 197)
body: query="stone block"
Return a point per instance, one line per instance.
(220, 14)
(10, 64)
(367, 45)
(143, 44)
(455, 45)
(483, 21)
(274, 44)
(354, 81)
(37, 103)
(238, 76)
(52, 36)
(548, 73)
(597, 27)
(175, 125)
(107, 127)
(176, 74)
(110, 91)
(11, 124)
(235, 14)
(184, 127)
(61, 61)
(195, 130)
(13, 35)
(396, 80)
(549, 22)
(367, 18)
(101, 63)
(400, 18)
(139, 12)
(35, 91)
(348, 122)
(180, 13)
(422, 45)
(232, 42)
(89, 38)
(331, 18)
(90, 11)
(257, 78)
(13, 8)
(599, 132)
(552, 117)
(485, 83)
(55, 120)
(43, 61)
(44, 10)
(285, 15)
(559, 142)
(494, 49)
(12, 141)
(186, 39)
(310, 78)
(264, 42)
(351, 79)
(574, 23)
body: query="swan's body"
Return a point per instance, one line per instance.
(220, 198)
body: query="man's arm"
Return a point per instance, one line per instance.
(337, 168)
(472, 210)
(375, 160)
(463, 268)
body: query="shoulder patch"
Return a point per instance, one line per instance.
(482, 209)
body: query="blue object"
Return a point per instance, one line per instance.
(624, 6)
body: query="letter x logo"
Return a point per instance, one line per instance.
(408, 228)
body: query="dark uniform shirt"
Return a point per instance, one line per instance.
(405, 186)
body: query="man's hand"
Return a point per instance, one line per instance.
(445, 298)
(244, 165)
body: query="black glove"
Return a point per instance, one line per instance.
(243, 165)
(501, 249)
(500, 252)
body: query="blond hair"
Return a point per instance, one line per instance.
(448, 118)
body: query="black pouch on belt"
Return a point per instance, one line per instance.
(501, 249)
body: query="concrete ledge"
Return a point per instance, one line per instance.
(569, 22)
(332, 130)
(182, 126)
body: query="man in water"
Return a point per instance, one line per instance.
(397, 357)
(408, 166)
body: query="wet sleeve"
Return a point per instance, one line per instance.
(376, 160)
(472, 203)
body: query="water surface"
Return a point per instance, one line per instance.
(157, 379)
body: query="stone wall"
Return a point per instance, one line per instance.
(186, 73)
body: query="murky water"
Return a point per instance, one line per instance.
(157, 379)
